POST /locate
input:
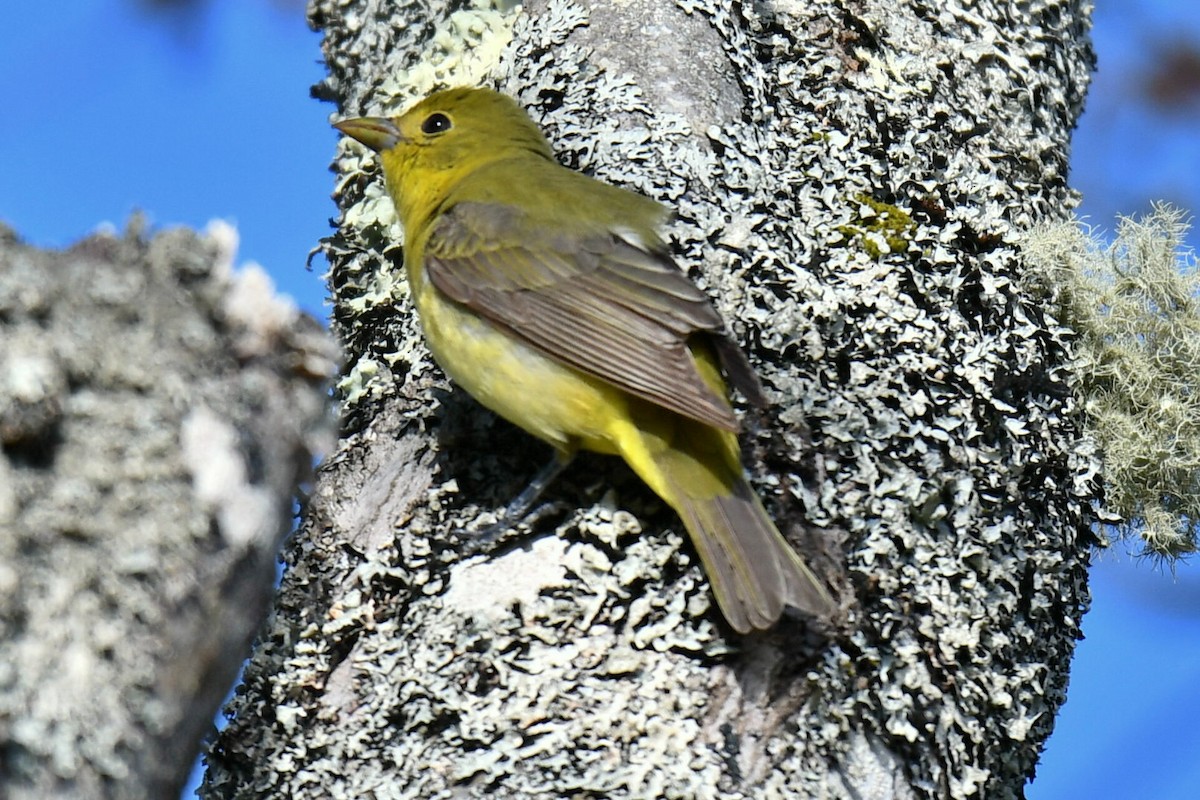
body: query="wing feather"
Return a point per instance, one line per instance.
(594, 301)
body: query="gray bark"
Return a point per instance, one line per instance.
(850, 180)
(156, 413)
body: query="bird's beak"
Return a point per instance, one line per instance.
(377, 133)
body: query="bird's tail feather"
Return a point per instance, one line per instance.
(754, 572)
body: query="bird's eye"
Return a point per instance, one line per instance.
(437, 122)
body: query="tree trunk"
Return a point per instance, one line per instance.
(156, 413)
(850, 180)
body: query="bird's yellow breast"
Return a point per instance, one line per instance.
(550, 400)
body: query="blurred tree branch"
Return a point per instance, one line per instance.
(156, 414)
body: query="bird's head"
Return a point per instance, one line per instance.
(447, 135)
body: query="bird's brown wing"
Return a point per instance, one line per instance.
(597, 302)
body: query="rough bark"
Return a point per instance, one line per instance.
(156, 413)
(850, 179)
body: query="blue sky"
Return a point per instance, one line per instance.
(187, 118)
(207, 115)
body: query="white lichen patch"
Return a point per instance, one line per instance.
(210, 451)
(486, 586)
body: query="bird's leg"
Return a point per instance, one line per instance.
(516, 511)
(521, 504)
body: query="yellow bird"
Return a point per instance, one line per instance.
(552, 299)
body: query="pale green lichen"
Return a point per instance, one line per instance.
(463, 51)
(1135, 305)
(881, 228)
(357, 382)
